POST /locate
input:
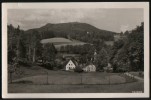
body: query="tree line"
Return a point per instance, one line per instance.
(128, 53)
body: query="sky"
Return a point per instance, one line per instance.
(115, 19)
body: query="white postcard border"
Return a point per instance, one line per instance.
(6, 6)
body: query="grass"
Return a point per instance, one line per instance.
(34, 80)
(75, 78)
(109, 42)
(73, 43)
(23, 82)
(56, 40)
(28, 71)
(120, 88)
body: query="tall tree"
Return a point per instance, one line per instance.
(34, 44)
(49, 52)
(102, 59)
(18, 42)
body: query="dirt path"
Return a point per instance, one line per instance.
(136, 77)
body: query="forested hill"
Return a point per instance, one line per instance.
(75, 30)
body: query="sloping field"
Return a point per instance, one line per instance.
(56, 40)
(62, 41)
(109, 43)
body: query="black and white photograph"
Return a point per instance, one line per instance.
(66, 49)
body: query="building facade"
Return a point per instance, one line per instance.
(89, 68)
(70, 65)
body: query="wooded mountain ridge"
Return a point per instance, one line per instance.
(75, 30)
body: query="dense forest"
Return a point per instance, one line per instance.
(126, 54)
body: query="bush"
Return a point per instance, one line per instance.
(59, 66)
(140, 74)
(121, 70)
(24, 62)
(48, 65)
(78, 69)
(11, 56)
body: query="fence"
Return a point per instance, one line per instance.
(70, 78)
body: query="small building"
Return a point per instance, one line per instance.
(70, 65)
(89, 68)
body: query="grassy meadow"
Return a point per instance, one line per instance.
(39, 80)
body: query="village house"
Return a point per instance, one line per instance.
(70, 65)
(89, 68)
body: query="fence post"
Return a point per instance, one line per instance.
(81, 78)
(10, 77)
(47, 77)
(109, 80)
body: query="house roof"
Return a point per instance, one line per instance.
(89, 65)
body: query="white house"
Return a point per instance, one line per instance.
(89, 68)
(70, 65)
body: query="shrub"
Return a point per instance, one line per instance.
(48, 65)
(110, 70)
(121, 70)
(24, 62)
(78, 69)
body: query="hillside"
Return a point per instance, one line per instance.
(75, 30)
(56, 41)
(59, 42)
